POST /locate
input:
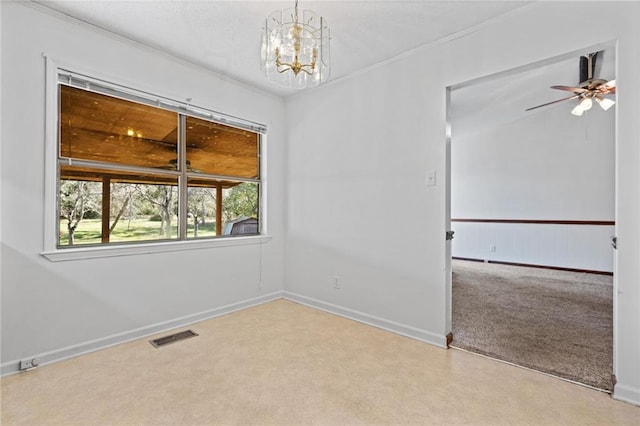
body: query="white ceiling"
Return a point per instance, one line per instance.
(224, 36)
(503, 98)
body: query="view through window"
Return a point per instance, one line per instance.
(132, 172)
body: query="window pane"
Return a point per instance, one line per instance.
(217, 149)
(240, 209)
(103, 128)
(106, 206)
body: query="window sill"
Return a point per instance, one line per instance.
(94, 252)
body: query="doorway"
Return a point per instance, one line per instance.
(531, 198)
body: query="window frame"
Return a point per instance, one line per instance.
(54, 70)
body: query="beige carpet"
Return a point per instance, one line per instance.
(557, 322)
(282, 363)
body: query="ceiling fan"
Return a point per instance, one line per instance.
(588, 90)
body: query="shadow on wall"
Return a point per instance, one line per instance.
(44, 311)
(360, 281)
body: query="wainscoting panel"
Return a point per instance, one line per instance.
(562, 244)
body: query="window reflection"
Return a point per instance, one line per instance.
(103, 128)
(216, 149)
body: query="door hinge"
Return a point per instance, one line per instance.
(449, 235)
(614, 243)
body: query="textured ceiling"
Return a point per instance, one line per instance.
(224, 36)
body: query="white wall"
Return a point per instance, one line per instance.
(54, 310)
(360, 148)
(359, 207)
(546, 165)
(549, 165)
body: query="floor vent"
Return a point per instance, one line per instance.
(162, 341)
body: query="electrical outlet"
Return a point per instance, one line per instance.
(431, 178)
(27, 364)
(492, 248)
(336, 282)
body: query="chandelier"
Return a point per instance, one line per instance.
(295, 48)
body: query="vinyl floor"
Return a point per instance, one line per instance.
(282, 363)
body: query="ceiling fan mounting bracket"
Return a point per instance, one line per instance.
(592, 83)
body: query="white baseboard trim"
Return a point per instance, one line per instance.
(627, 394)
(394, 327)
(12, 367)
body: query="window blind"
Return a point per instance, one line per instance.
(73, 79)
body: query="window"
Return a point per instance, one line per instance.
(133, 168)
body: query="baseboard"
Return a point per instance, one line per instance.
(12, 367)
(394, 327)
(627, 394)
(533, 265)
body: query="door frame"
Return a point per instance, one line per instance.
(610, 45)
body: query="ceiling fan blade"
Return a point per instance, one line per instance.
(570, 89)
(554, 102)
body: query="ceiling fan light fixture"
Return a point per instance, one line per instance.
(578, 110)
(605, 103)
(586, 104)
(295, 48)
